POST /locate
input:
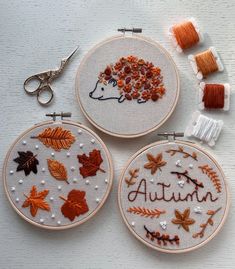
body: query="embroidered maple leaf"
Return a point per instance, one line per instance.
(183, 219)
(154, 163)
(27, 162)
(75, 204)
(90, 164)
(36, 201)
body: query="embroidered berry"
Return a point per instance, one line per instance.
(154, 97)
(127, 69)
(108, 71)
(135, 95)
(128, 80)
(149, 74)
(127, 88)
(128, 96)
(120, 83)
(141, 62)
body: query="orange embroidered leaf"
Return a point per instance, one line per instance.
(183, 219)
(154, 163)
(57, 138)
(57, 170)
(75, 204)
(36, 201)
(145, 212)
(90, 164)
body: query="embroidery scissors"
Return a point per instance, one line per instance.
(44, 79)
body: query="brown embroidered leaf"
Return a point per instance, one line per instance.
(134, 173)
(154, 163)
(212, 176)
(27, 162)
(75, 204)
(57, 170)
(145, 212)
(90, 164)
(209, 221)
(183, 219)
(57, 138)
(36, 201)
(161, 238)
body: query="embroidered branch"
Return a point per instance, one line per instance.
(188, 179)
(185, 154)
(212, 175)
(209, 221)
(161, 239)
(134, 173)
(145, 212)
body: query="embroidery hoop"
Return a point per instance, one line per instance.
(156, 247)
(87, 105)
(108, 183)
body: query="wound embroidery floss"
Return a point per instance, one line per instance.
(185, 35)
(204, 128)
(214, 96)
(206, 63)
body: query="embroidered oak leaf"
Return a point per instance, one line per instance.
(57, 138)
(154, 163)
(35, 201)
(90, 164)
(134, 173)
(75, 204)
(183, 219)
(27, 162)
(57, 170)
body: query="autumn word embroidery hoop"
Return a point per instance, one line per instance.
(173, 196)
(57, 174)
(124, 79)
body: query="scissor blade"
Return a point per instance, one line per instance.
(68, 58)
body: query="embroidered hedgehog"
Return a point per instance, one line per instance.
(130, 78)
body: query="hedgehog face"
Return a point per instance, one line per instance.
(105, 91)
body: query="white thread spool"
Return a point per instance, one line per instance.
(204, 128)
(195, 68)
(227, 91)
(174, 40)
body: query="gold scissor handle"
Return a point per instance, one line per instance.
(47, 89)
(31, 79)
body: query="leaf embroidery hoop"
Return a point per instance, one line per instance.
(192, 216)
(105, 101)
(42, 176)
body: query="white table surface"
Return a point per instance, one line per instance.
(34, 35)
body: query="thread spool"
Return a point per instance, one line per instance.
(185, 35)
(204, 128)
(214, 96)
(206, 63)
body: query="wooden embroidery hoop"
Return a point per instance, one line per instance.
(225, 183)
(110, 179)
(163, 52)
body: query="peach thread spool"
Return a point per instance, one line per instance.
(185, 35)
(214, 96)
(206, 63)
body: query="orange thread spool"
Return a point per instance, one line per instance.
(186, 34)
(213, 96)
(206, 62)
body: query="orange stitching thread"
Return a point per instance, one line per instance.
(209, 221)
(134, 173)
(145, 212)
(212, 175)
(181, 150)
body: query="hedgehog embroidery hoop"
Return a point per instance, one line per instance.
(162, 224)
(116, 118)
(17, 184)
